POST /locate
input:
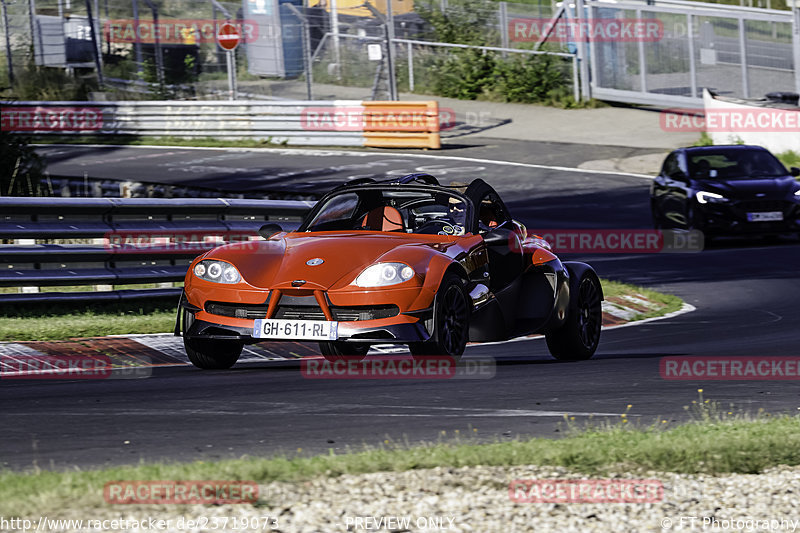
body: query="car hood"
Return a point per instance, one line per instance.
(748, 188)
(277, 262)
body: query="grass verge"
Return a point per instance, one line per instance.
(38, 322)
(715, 442)
(616, 291)
(60, 322)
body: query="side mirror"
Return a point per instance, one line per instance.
(794, 171)
(679, 176)
(268, 230)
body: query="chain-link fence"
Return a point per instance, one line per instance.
(459, 48)
(337, 49)
(144, 49)
(148, 49)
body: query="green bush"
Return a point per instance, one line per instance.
(472, 73)
(531, 78)
(51, 83)
(465, 73)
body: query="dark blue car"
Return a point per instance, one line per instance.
(726, 190)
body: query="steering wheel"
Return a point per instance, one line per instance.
(441, 227)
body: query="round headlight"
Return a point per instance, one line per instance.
(214, 270)
(388, 273)
(407, 273)
(199, 270)
(383, 274)
(230, 275)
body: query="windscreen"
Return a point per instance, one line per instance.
(401, 210)
(734, 163)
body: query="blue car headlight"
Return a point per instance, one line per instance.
(383, 274)
(217, 271)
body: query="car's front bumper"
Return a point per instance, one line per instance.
(731, 218)
(402, 328)
(395, 333)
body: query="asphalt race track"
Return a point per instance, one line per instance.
(746, 296)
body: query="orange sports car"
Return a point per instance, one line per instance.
(405, 261)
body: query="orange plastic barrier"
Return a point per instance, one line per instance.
(402, 124)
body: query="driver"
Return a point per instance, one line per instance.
(487, 215)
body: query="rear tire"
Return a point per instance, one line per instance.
(450, 321)
(341, 351)
(578, 337)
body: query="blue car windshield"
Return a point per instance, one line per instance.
(734, 163)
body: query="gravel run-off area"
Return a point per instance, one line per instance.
(478, 499)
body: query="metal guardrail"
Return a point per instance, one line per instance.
(120, 241)
(322, 123)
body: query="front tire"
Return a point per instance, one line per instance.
(209, 354)
(694, 219)
(212, 354)
(340, 351)
(578, 337)
(450, 321)
(656, 217)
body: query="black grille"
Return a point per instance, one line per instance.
(299, 312)
(302, 312)
(342, 314)
(237, 310)
(752, 206)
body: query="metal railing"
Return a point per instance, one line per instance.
(102, 242)
(295, 122)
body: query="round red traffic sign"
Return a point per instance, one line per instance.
(228, 36)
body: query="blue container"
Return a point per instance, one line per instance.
(292, 39)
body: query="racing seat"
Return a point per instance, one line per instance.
(383, 218)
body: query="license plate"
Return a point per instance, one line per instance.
(305, 330)
(767, 216)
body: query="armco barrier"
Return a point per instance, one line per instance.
(111, 231)
(320, 123)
